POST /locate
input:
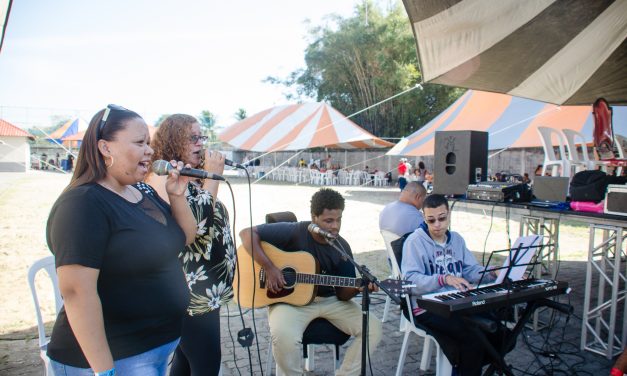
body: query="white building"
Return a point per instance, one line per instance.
(14, 148)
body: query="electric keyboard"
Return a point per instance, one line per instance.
(490, 297)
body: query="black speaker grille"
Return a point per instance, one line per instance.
(617, 202)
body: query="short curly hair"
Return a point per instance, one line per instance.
(326, 198)
(172, 137)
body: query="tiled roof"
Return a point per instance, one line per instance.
(8, 129)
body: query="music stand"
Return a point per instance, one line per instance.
(518, 258)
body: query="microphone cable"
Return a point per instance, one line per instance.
(250, 361)
(245, 336)
(252, 255)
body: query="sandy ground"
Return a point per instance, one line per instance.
(26, 198)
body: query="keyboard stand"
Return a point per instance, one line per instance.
(498, 355)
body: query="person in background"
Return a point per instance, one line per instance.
(421, 172)
(115, 249)
(209, 262)
(403, 215)
(44, 161)
(326, 162)
(70, 162)
(302, 163)
(402, 171)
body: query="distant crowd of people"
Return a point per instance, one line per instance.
(46, 163)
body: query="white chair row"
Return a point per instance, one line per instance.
(328, 177)
(568, 157)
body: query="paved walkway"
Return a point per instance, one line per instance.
(560, 345)
(20, 356)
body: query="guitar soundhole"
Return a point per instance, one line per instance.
(289, 274)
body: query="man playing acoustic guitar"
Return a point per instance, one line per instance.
(288, 322)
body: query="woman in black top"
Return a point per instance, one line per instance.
(209, 262)
(115, 251)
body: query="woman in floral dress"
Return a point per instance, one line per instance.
(209, 262)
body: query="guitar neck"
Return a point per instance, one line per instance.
(327, 280)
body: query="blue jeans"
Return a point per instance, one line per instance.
(150, 363)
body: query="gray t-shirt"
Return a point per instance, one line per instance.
(400, 218)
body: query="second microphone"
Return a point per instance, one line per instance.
(161, 167)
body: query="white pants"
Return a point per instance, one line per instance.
(287, 324)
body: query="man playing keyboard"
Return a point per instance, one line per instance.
(436, 259)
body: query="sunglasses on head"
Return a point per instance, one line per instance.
(194, 138)
(442, 218)
(105, 116)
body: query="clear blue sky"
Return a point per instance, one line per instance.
(72, 57)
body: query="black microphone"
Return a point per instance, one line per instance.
(229, 162)
(161, 167)
(315, 229)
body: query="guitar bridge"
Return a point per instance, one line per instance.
(262, 278)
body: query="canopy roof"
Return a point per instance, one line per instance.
(556, 51)
(509, 121)
(79, 136)
(70, 127)
(9, 130)
(297, 127)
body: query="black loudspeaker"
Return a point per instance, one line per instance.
(461, 158)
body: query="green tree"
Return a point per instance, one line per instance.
(207, 122)
(354, 63)
(240, 114)
(161, 119)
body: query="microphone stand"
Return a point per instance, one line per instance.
(366, 279)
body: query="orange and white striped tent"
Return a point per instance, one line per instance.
(511, 122)
(297, 127)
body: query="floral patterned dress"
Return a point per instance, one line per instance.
(209, 262)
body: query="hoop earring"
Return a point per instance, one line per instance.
(112, 162)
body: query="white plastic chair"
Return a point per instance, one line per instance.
(344, 177)
(388, 238)
(550, 158)
(315, 177)
(618, 144)
(47, 264)
(330, 178)
(355, 177)
(572, 137)
(379, 179)
(443, 366)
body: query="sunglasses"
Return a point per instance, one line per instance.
(105, 116)
(194, 138)
(431, 221)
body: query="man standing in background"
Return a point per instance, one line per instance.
(402, 171)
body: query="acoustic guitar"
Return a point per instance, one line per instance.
(300, 273)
